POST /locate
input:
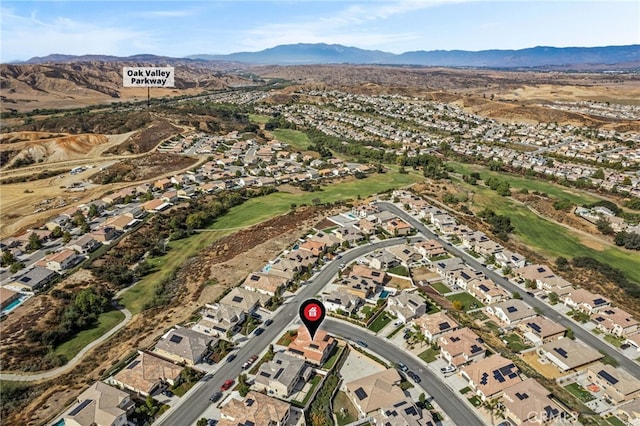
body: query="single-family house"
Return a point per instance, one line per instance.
(243, 299)
(370, 393)
(339, 300)
(261, 282)
(85, 244)
(616, 321)
(404, 412)
(431, 248)
(147, 374)
(486, 291)
(461, 347)
(397, 227)
(489, 377)
(528, 402)
(7, 297)
(256, 409)
(511, 311)
(281, 376)
(184, 345)
(219, 319)
(315, 351)
(406, 305)
(539, 330)
(615, 383)
(61, 260)
(405, 253)
(585, 301)
(567, 354)
(34, 278)
(434, 325)
(100, 405)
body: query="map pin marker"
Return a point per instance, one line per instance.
(312, 313)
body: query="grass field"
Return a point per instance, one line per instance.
(548, 238)
(518, 182)
(106, 321)
(295, 138)
(259, 119)
(515, 343)
(467, 301)
(379, 323)
(429, 355)
(253, 211)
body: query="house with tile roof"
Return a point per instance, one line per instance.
(489, 377)
(461, 347)
(371, 393)
(184, 345)
(255, 409)
(100, 405)
(434, 325)
(616, 384)
(315, 351)
(528, 402)
(616, 321)
(281, 376)
(539, 330)
(147, 374)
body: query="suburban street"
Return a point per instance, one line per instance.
(545, 310)
(194, 403)
(458, 412)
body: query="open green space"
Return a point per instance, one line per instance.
(579, 392)
(615, 421)
(467, 300)
(106, 321)
(614, 340)
(440, 288)
(259, 119)
(518, 182)
(548, 238)
(379, 323)
(253, 211)
(429, 355)
(295, 138)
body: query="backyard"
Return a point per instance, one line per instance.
(467, 301)
(579, 392)
(343, 409)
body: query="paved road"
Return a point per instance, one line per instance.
(192, 405)
(545, 310)
(458, 412)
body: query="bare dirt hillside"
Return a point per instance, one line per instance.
(72, 85)
(23, 148)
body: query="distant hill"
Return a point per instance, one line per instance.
(541, 56)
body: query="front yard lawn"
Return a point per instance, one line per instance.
(429, 355)
(287, 338)
(379, 323)
(515, 343)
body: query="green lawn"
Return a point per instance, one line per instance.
(515, 343)
(399, 270)
(475, 400)
(579, 392)
(441, 288)
(546, 237)
(295, 138)
(466, 299)
(518, 182)
(429, 355)
(615, 421)
(259, 119)
(253, 211)
(332, 359)
(106, 321)
(379, 323)
(614, 340)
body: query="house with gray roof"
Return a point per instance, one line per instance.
(281, 376)
(184, 345)
(34, 278)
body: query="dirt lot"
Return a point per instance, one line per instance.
(228, 261)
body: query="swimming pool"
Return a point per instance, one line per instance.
(11, 306)
(267, 268)
(350, 216)
(384, 294)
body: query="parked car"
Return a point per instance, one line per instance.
(448, 369)
(362, 343)
(414, 376)
(255, 315)
(226, 385)
(624, 346)
(258, 331)
(402, 367)
(250, 361)
(215, 397)
(268, 322)
(167, 392)
(231, 357)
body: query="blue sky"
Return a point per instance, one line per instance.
(181, 28)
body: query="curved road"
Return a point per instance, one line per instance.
(196, 401)
(545, 310)
(50, 374)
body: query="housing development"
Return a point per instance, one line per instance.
(476, 252)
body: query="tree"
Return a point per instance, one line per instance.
(516, 295)
(202, 422)
(604, 226)
(7, 258)
(66, 237)
(569, 334)
(34, 242)
(562, 264)
(15, 267)
(243, 385)
(598, 174)
(93, 211)
(57, 232)
(553, 298)
(457, 305)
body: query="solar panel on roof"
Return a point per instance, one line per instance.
(360, 393)
(237, 299)
(443, 326)
(483, 379)
(541, 270)
(255, 278)
(175, 339)
(608, 377)
(464, 275)
(513, 375)
(475, 349)
(454, 338)
(133, 364)
(512, 309)
(80, 407)
(265, 374)
(399, 404)
(521, 396)
(483, 287)
(551, 412)
(562, 352)
(535, 327)
(599, 301)
(411, 411)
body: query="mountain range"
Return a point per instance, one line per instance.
(321, 53)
